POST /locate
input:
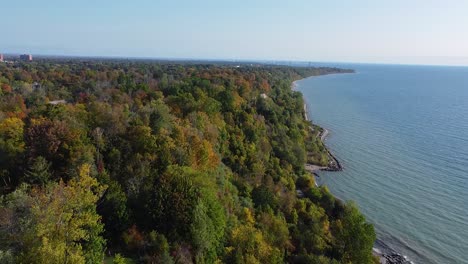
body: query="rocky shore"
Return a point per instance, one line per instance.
(391, 258)
(395, 258)
(333, 164)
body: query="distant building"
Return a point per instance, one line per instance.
(26, 57)
(56, 102)
(1, 57)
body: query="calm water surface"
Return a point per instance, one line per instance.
(401, 134)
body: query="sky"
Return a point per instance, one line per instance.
(397, 31)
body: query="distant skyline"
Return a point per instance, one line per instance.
(402, 32)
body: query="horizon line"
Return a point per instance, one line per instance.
(122, 57)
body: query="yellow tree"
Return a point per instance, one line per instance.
(66, 227)
(11, 147)
(249, 246)
(11, 136)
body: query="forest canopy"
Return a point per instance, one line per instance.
(163, 162)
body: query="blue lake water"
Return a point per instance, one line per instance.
(401, 134)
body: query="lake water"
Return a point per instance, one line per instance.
(401, 134)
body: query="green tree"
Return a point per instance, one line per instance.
(158, 249)
(118, 259)
(208, 227)
(171, 204)
(114, 211)
(355, 237)
(39, 172)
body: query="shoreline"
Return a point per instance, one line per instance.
(390, 257)
(333, 164)
(385, 255)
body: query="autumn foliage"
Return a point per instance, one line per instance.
(158, 162)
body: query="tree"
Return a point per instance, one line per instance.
(171, 204)
(160, 116)
(275, 230)
(207, 229)
(248, 245)
(354, 236)
(11, 138)
(11, 148)
(58, 224)
(158, 249)
(49, 139)
(114, 211)
(39, 172)
(262, 196)
(118, 259)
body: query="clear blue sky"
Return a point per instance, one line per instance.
(396, 31)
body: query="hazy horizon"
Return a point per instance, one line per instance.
(397, 32)
(457, 61)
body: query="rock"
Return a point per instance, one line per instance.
(395, 258)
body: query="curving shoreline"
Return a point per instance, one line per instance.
(334, 164)
(386, 256)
